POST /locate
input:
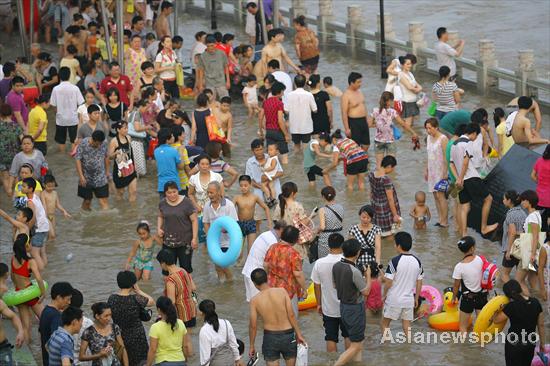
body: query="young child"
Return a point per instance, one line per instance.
(330, 89)
(225, 121)
(270, 169)
(38, 240)
(51, 203)
(21, 222)
(143, 252)
(26, 171)
(250, 96)
(374, 303)
(245, 203)
(420, 212)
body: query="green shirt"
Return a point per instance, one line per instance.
(454, 119)
(170, 342)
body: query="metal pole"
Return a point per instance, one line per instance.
(21, 22)
(383, 62)
(31, 25)
(262, 16)
(276, 14)
(107, 32)
(213, 19)
(176, 17)
(120, 34)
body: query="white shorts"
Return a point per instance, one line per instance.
(251, 290)
(397, 313)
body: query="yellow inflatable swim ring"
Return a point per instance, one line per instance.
(310, 301)
(484, 324)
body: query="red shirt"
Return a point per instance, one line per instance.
(283, 260)
(124, 87)
(272, 106)
(224, 48)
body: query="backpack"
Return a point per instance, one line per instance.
(489, 274)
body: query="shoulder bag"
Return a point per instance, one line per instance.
(145, 314)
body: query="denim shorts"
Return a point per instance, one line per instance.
(38, 239)
(385, 148)
(279, 343)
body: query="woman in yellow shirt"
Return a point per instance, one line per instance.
(38, 123)
(167, 340)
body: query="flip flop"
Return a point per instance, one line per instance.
(438, 224)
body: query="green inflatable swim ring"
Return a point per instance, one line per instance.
(12, 297)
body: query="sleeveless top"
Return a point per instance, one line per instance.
(145, 254)
(408, 95)
(436, 162)
(202, 131)
(23, 270)
(185, 306)
(145, 85)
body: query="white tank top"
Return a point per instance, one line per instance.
(42, 223)
(408, 95)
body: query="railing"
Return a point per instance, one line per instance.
(483, 74)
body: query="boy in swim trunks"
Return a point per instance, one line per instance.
(50, 199)
(245, 203)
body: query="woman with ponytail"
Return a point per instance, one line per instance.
(512, 227)
(22, 265)
(526, 317)
(331, 218)
(217, 341)
(168, 341)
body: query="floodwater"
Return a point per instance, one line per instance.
(101, 241)
(514, 25)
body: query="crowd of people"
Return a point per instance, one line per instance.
(127, 121)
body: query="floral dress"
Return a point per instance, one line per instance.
(134, 59)
(97, 342)
(546, 246)
(144, 257)
(383, 215)
(126, 311)
(436, 162)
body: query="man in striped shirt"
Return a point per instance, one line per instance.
(60, 346)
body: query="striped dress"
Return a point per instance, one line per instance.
(185, 306)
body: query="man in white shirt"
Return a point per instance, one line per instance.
(325, 293)
(446, 54)
(256, 256)
(300, 104)
(402, 285)
(274, 68)
(469, 180)
(217, 207)
(66, 97)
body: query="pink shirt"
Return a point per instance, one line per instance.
(384, 123)
(542, 168)
(17, 104)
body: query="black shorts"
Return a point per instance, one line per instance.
(513, 262)
(474, 189)
(359, 130)
(312, 172)
(61, 133)
(472, 301)
(358, 167)
(279, 343)
(88, 193)
(303, 138)
(331, 326)
(42, 146)
(354, 320)
(277, 137)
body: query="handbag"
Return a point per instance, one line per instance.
(313, 251)
(145, 314)
(215, 133)
(521, 248)
(138, 151)
(179, 75)
(132, 129)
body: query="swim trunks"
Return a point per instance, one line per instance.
(247, 227)
(359, 130)
(279, 343)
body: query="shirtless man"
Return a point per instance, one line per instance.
(225, 121)
(281, 330)
(246, 206)
(512, 106)
(162, 25)
(5, 347)
(521, 125)
(274, 50)
(354, 112)
(76, 37)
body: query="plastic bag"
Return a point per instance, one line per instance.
(396, 132)
(432, 108)
(215, 133)
(301, 357)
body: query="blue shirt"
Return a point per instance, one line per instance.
(60, 346)
(50, 320)
(167, 159)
